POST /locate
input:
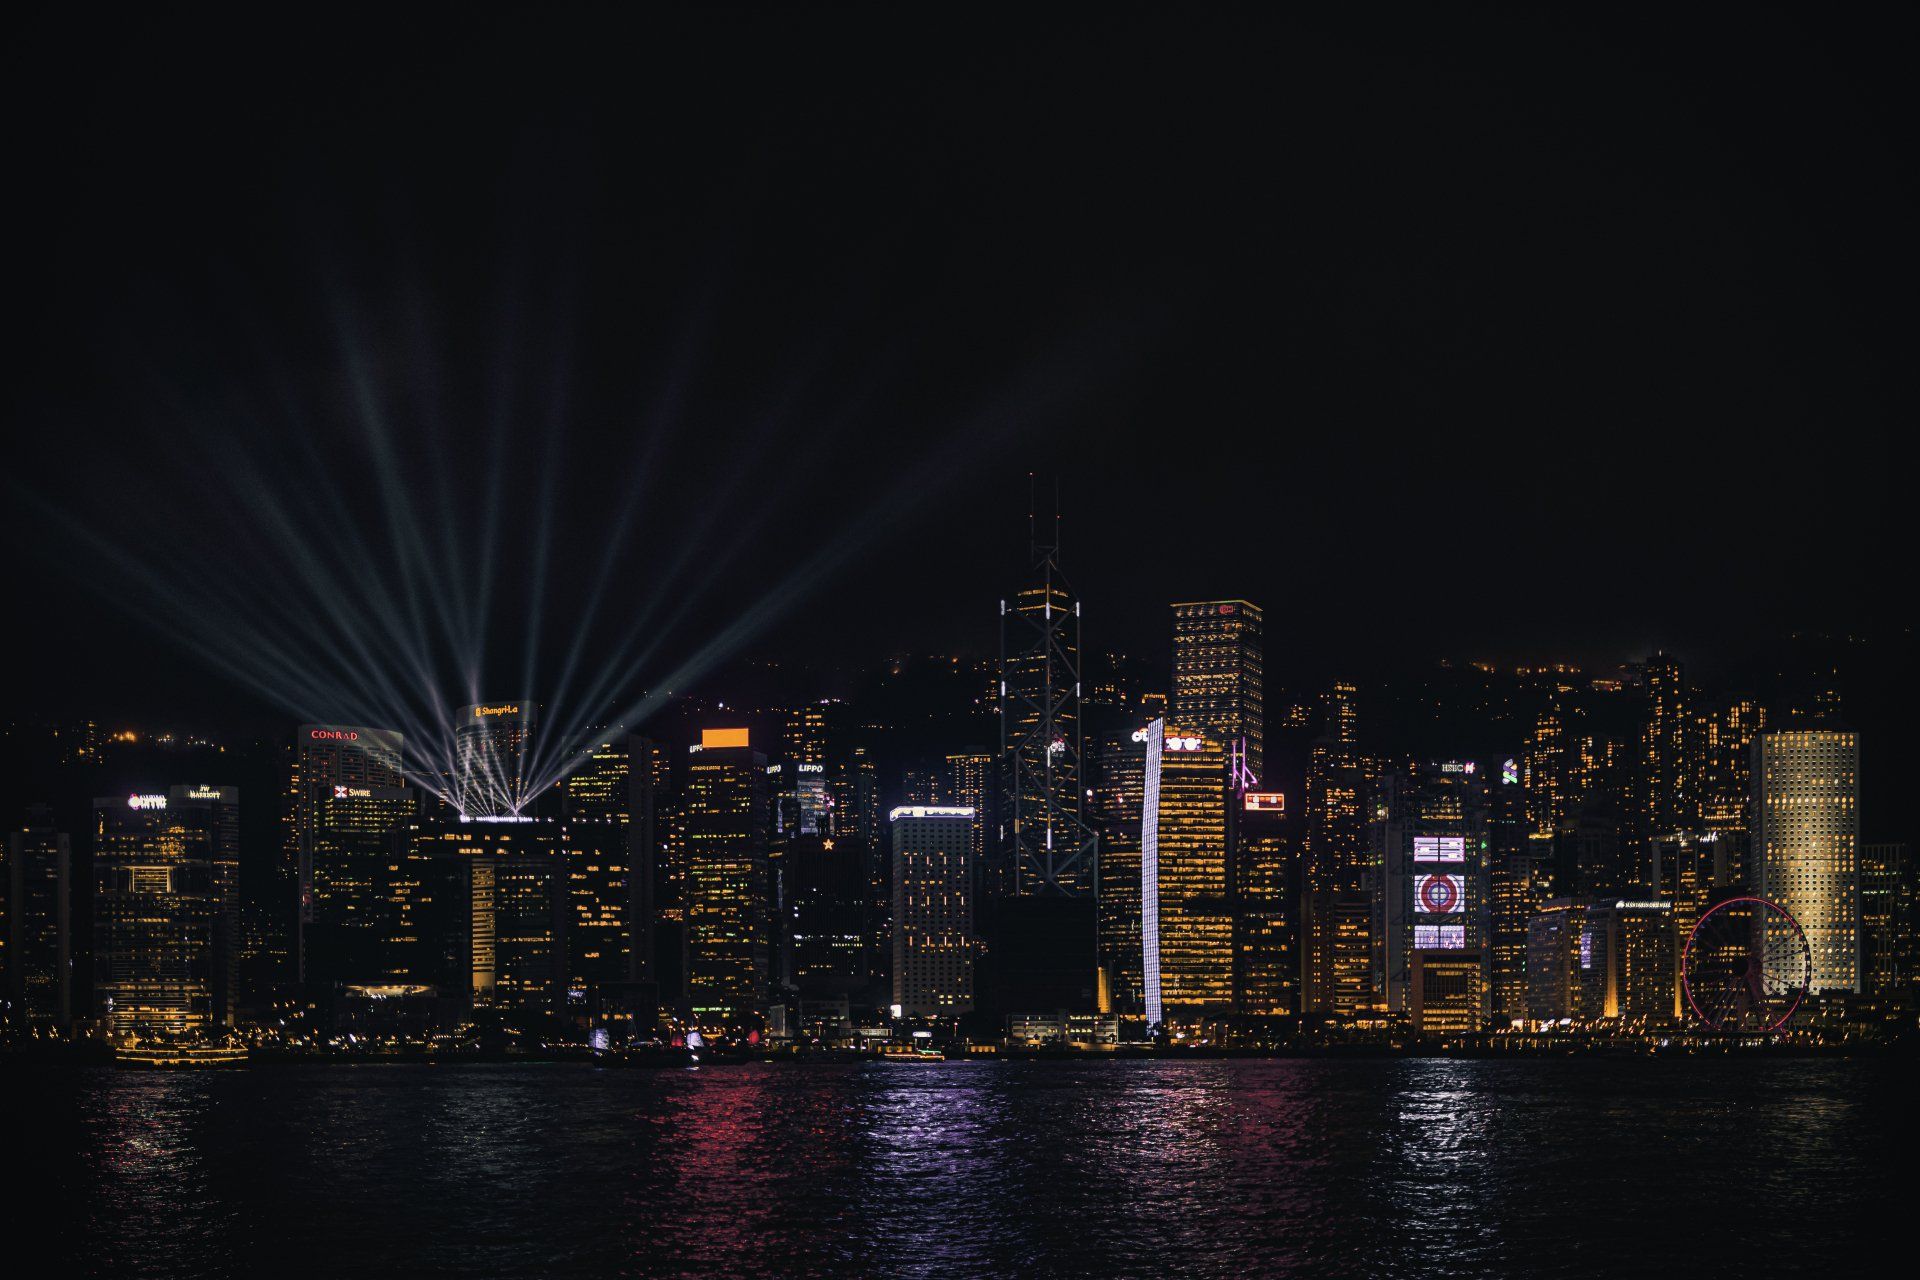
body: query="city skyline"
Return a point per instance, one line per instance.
(857, 640)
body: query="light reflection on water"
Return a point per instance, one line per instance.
(1392, 1167)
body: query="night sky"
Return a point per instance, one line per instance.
(1523, 337)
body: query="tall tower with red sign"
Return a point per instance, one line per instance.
(1219, 674)
(330, 761)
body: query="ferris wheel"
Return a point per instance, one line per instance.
(1747, 966)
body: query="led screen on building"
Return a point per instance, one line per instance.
(1439, 848)
(1440, 895)
(1440, 937)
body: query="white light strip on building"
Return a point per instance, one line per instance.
(1150, 874)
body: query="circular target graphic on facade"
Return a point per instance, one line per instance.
(1439, 895)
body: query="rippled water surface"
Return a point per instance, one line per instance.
(1386, 1168)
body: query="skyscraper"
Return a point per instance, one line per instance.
(932, 911)
(1806, 835)
(1039, 944)
(493, 742)
(350, 917)
(1633, 942)
(1560, 962)
(1669, 746)
(1266, 894)
(1219, 677)
(969, 783)
(217, 810)
(728, 962)
(490, 910)
(1519, 879)
(154, 910)
(1120, 780)
(332, 764)
(1726, 750)
(1336, 954)
(607, 843)
(1046, 844)
(603, 891)
(1447, 993)
(1546, 770)
(1186, 917)
(1889, 920)
(36, 950)
(1430, 836)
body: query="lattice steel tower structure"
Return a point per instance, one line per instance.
(1046, 847)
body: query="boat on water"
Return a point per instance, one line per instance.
(202, 1054)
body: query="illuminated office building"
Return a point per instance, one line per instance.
(604, 900)
(1561, 983)
(602, 783)
(970, 785)
(1120, 779)
(824, 913)
(1519, 879)
(1669, 760)
(1266, 895)
(933, 940)
(1037, 914)
(610, 804)
(36, 950)
(1045, 845)
(1611, 958)
(835, 886)
(154, 913)
(1633, 945)
(824, 734)
(923, 785)
(725, 811)
(493, 743)
(1186, 915)
(1337, 949)
(1692, 870)
(1219, 675)
(351, 913)
(1447, 993)
(1518, 882)
(217, 810)
(331, 763)
(798, 816)
(1726, 746)
(1546, 772)
(812, 733)
(1431, 836)
(1889, 921)
(488, 908)
(1806, 844)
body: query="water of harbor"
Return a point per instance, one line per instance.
(1389, 1167)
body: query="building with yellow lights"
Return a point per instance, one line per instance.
(933, 940)
(1806, 845)
(725, 816)
(1186, 916)
(154, 910)
(1219, 674)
